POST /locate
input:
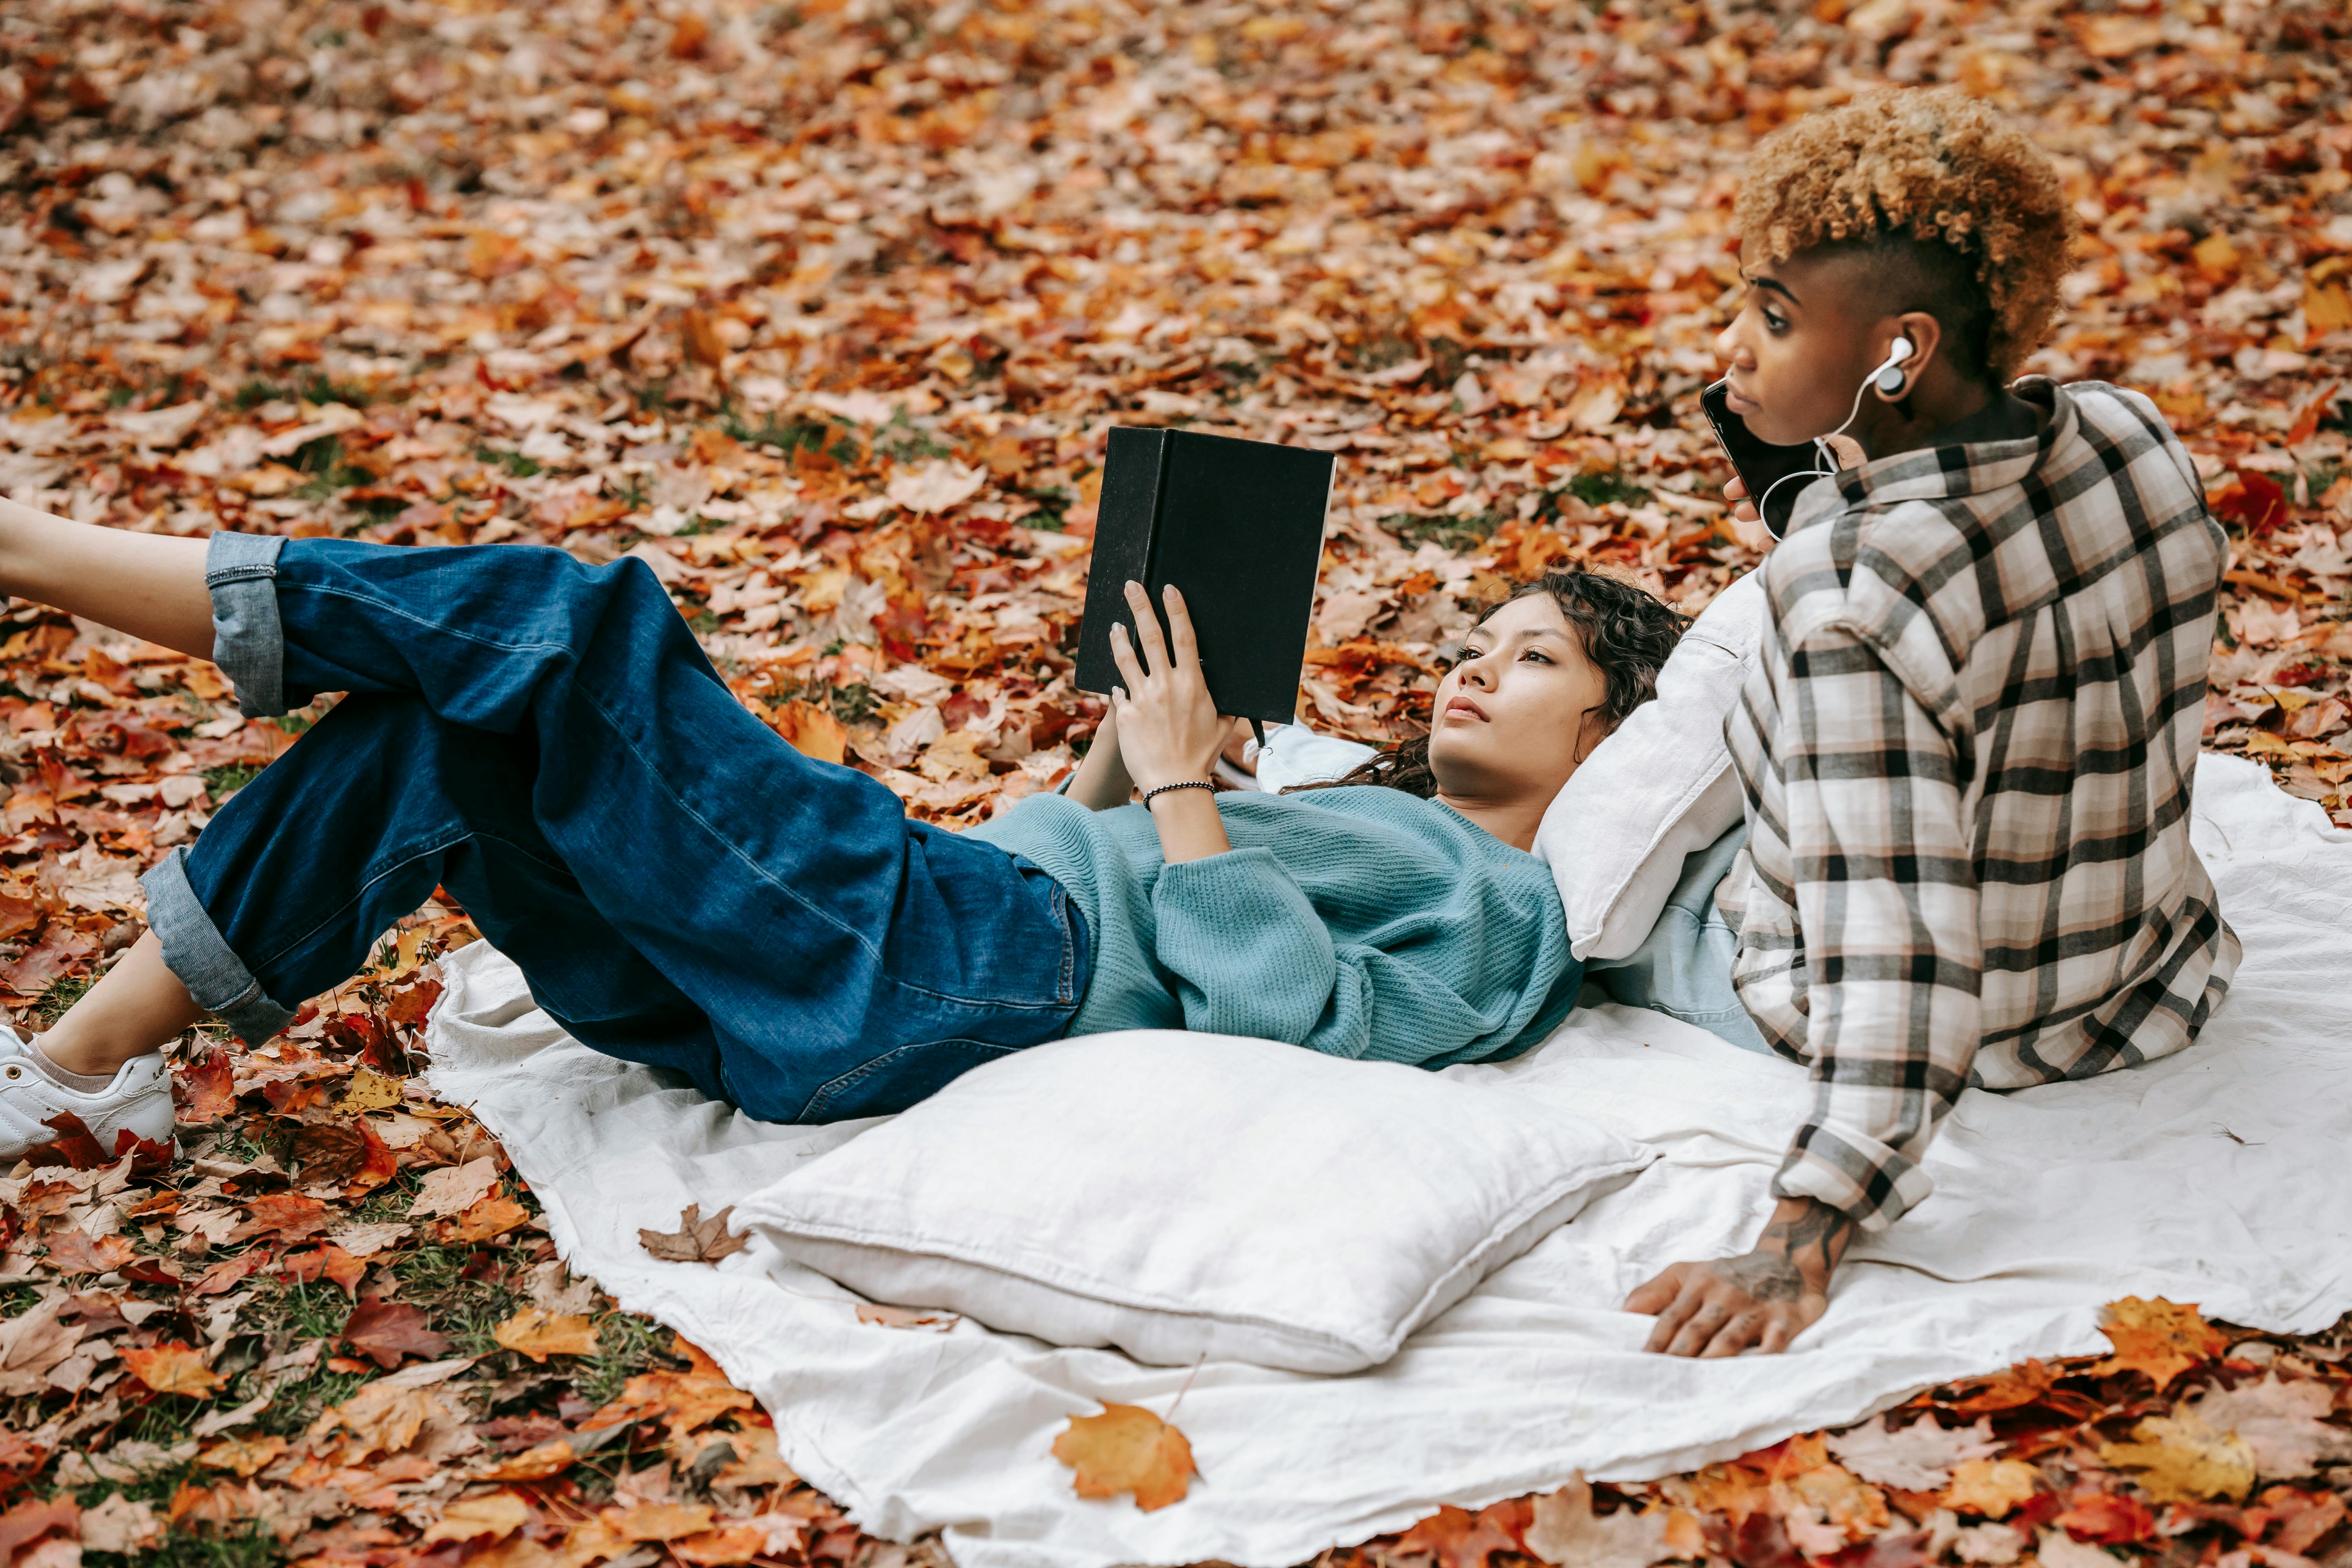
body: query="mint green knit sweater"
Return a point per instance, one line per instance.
(1358, 921)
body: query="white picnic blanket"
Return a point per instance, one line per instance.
(2216, 1177)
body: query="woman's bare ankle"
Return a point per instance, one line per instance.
(136, 1007)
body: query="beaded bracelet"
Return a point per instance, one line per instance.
(1188, 784)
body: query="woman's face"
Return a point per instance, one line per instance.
(1521, 710)
(1801, 344)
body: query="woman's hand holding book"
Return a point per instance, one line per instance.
(1168, 729)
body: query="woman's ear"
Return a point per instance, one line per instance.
(1587, 741)
(1926, 335)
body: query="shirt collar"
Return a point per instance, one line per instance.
(1939, 472)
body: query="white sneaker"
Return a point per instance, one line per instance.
(139, 1098)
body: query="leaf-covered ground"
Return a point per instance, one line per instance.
(824, 311)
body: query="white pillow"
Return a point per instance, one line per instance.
(1187, 1196)
(1658, 789)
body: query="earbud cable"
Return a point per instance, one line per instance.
(1821, 443)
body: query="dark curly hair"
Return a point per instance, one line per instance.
(1627, 635)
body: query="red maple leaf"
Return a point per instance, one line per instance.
(207, 1089)
(388, 1331)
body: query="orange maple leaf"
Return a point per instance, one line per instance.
(1127, 1448)
(538, 1334)
(174, 1368)
(2160, 1338)
(1457, 1538)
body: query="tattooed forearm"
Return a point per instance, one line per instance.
(1814, 1239)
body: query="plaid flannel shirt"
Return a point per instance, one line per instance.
(1968, 746)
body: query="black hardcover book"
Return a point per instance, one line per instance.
(1238, 527)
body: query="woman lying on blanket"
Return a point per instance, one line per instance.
(684, 889)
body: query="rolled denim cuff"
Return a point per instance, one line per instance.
(217, 979)
(241, 570)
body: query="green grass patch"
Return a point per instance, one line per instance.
(1601, 487)
(1455, 533)
(626, 1345)
(786, 436)
(250, 1548)
(224, 781)
(63, 993)
(468, 1310)
(514, 463)
(310, 389)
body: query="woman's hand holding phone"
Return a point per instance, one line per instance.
(1169, 729)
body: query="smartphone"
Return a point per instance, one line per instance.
(1761, 466)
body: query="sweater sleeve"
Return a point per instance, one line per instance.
(1250, 956)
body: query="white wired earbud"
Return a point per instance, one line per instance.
(1889, 378)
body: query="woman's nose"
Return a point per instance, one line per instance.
(1727, 343)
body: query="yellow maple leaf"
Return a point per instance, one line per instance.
(368, 1089)
(1991, 1487)
(2160, 1338)
(538, 1334)
(1127, 1448)
(2181, 1459)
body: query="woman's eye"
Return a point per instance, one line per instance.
(1467, 653)
(1535, 654)
(1775, 322)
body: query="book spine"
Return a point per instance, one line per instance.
(1152, 582)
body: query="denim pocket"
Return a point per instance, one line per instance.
(898, 1078)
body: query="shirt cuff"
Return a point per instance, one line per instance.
(1869, 1182)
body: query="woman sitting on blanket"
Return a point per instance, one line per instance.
(546, 741)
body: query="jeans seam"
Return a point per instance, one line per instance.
(385, 869)
(832, 1089)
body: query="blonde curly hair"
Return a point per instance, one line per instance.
(1931, 177)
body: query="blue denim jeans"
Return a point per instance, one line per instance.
(546, 741)
(1684, 968)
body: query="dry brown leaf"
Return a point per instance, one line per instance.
(658, 1520)
(1127, 1448)
(496, 1515)
(538, 1334)
(1565, 1531)
(2283, 1425)
(1919, 1457)
(454, 1189)
(242, 1456)
(696, 1239)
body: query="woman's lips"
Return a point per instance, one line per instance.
(1464, 705)
(1743, 406)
